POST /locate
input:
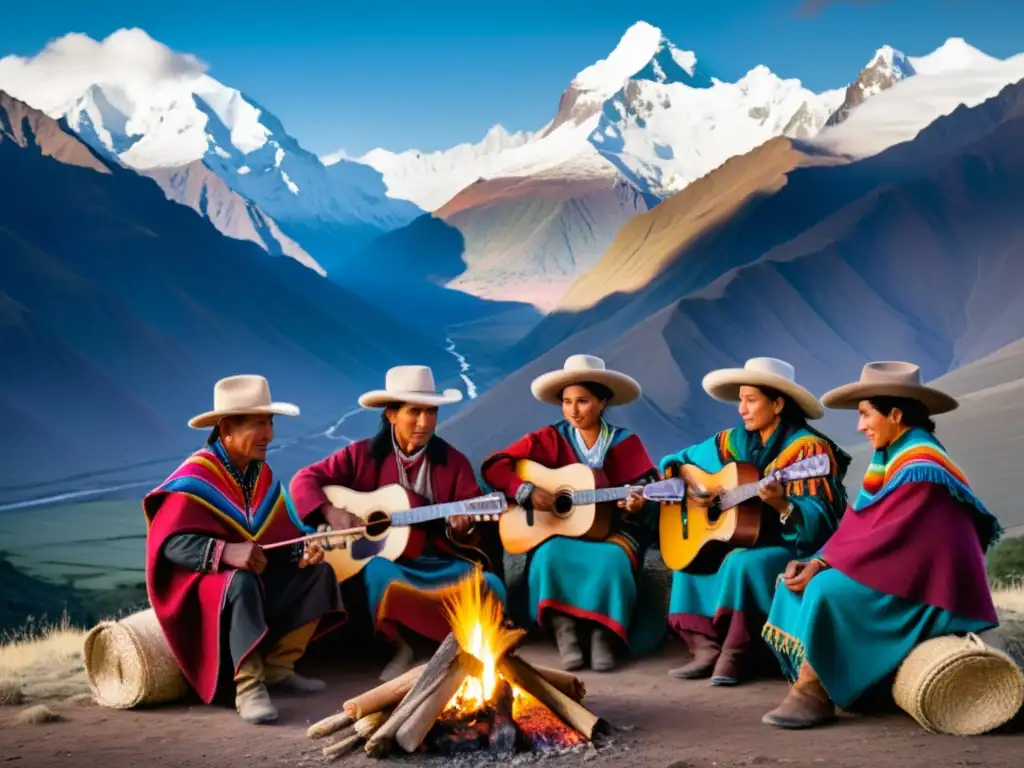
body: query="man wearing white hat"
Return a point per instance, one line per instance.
(720, 615)
(408, 594)
(209, 580)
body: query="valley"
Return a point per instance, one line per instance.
(170, 231)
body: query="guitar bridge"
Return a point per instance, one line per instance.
(686, 521)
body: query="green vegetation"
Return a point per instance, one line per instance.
(1006, 562)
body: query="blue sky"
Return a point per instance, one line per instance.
(430, 74)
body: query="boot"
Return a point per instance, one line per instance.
(251, 698)
(736, 648)
(806, 705)
(401, 662)
(705, 653)
(602, 654)
(296, 683)
(728, 669)
(279, 664)
(568, 642)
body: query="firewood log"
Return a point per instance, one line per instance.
(336, 750)
(412, 732)
(571, 712)
(502, 738)
(379, 745)
(383, 696)
(329, 725)
(368, 725)
(566, 682)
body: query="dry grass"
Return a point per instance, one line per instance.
(1009, 600)
(43, 666)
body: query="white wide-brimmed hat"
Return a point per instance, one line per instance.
(889, 379)
(409, 384)
(579, 369)
(239, 396)
(769, 372)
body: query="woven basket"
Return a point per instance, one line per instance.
(959, 686)
(128, 663)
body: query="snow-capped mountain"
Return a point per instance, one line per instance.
(647, 113)
(954, 75)
(135, 99)
(886, 68)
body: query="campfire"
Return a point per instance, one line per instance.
(474, 695)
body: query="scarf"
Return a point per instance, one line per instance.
(246, 480)
(740, 444)
(593, 456)
(407, 462)
(917, 456)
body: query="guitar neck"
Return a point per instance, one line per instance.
(428, 513)
(601, 495)
(738, 495)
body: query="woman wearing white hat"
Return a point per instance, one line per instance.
(576, 584)
(211, 584)
(408, 594)
(907, 563)
(720, 615)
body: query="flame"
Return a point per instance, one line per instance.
(476, 617)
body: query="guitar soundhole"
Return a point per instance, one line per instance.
(715, 510)
(377, 524)
(563, 504)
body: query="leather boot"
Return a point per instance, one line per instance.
(728, 668)
(806, 705)
(568, 641)
(279, 664)
(731, 665)
(602, 653)
(705, 653)
(251, 698)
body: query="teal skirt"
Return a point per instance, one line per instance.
(589, 580)
(412, 592)
(745, 583)
(852, 636)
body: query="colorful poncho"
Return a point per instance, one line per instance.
(917, 530)
(918, 457)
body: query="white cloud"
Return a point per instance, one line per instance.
(67, 66)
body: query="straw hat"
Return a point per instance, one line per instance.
(409, 384)
(128, 663)
(959, 686)
(889, 379)
(579, 369)
(769, 372)
(239, 396)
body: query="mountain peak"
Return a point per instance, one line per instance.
(954, 55)
(892, 60)
(635, 49)
(643, 53)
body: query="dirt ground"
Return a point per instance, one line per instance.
(663, 723)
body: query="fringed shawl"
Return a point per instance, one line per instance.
(918, 457)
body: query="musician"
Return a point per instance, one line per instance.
(719, 615)
(217, 594)
(575, 585)
(907, 563)
(407, 595)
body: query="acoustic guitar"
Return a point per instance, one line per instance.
(582, 510)
(695, 539)
(388, 513)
